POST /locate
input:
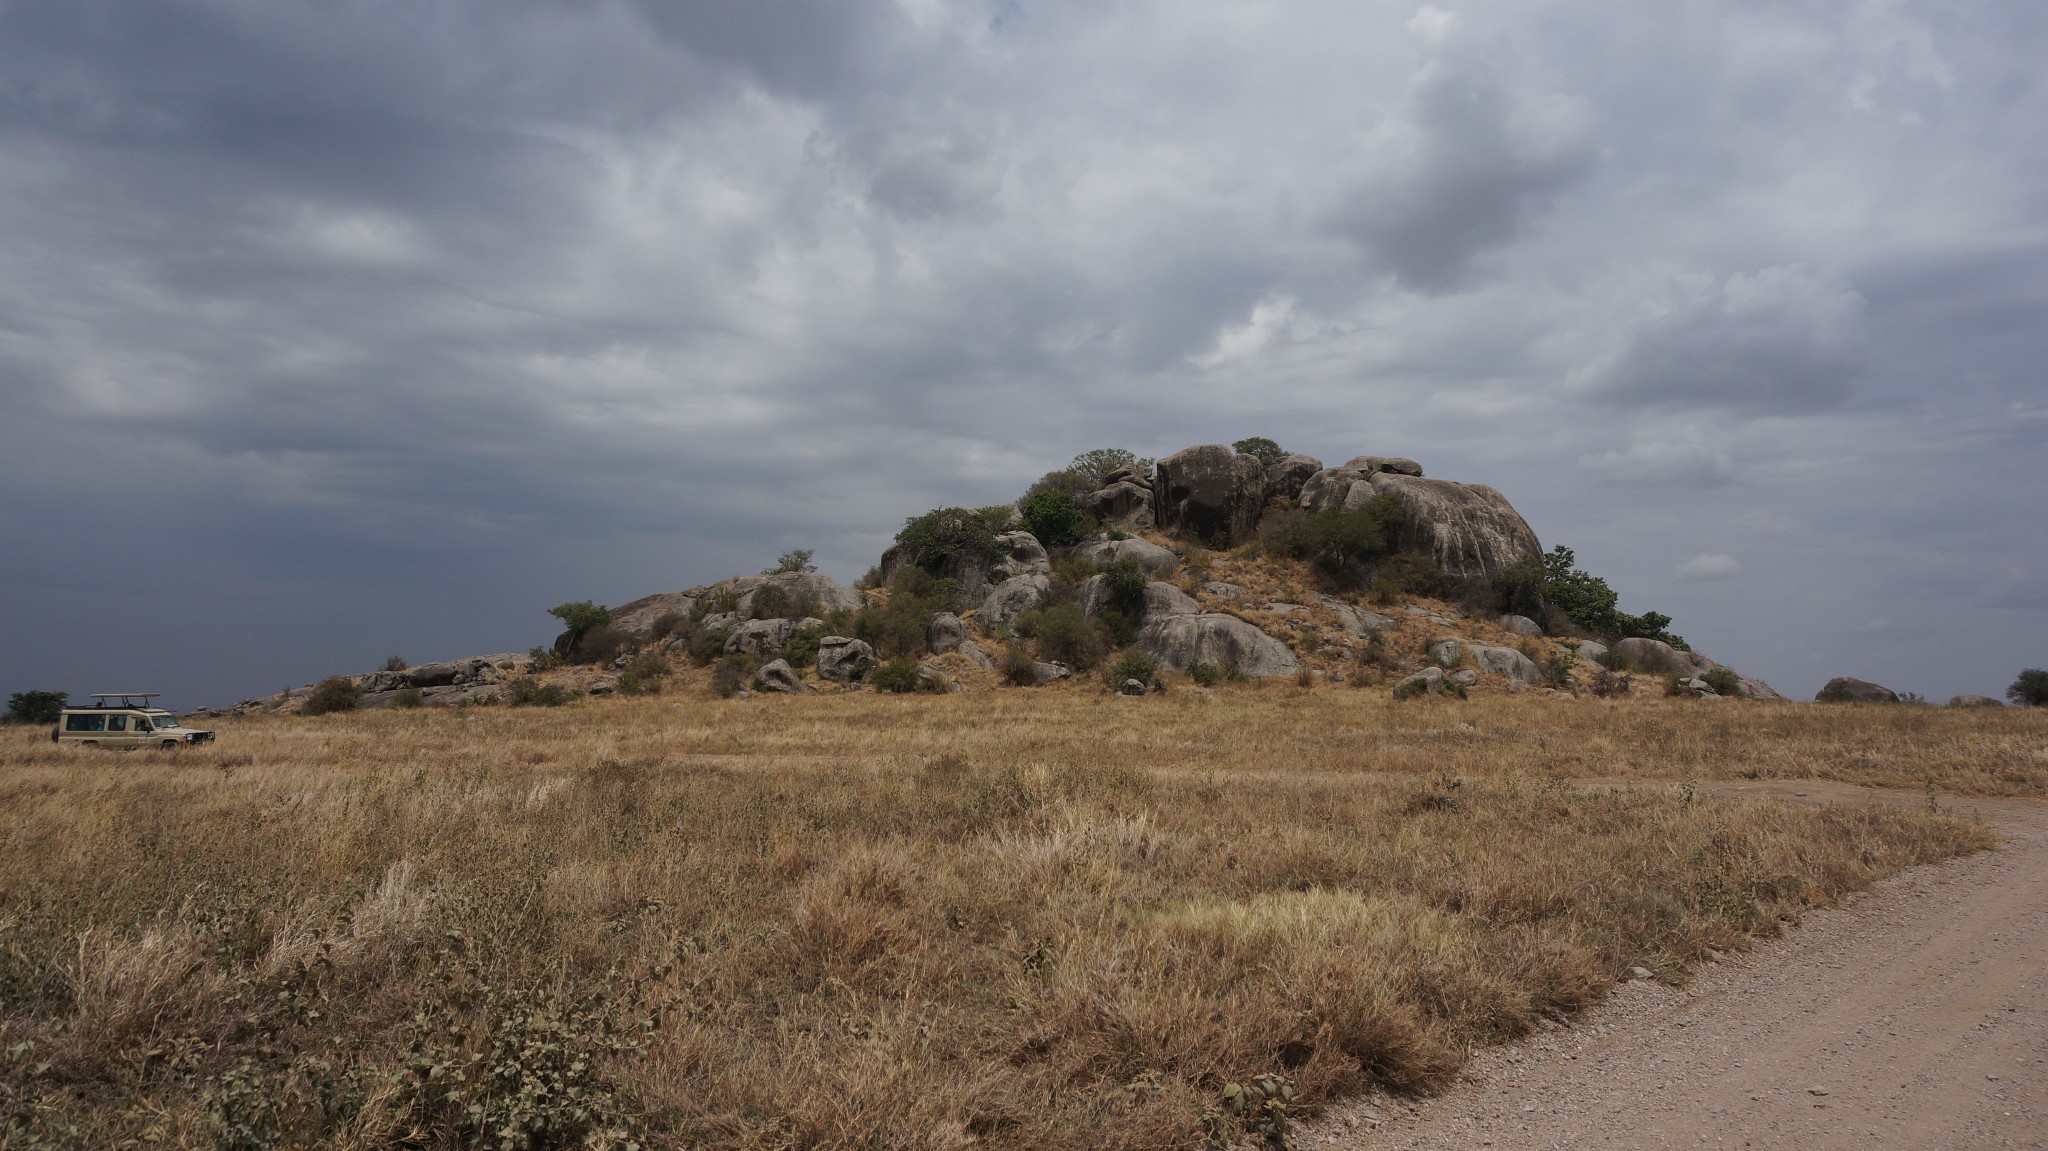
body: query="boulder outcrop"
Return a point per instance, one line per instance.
(1012, 598)
(1849, 689)
(1022, 555)
(1175, 641)
(1160, 599)
(945, 633)
(1507, 662)
(1150, 557)
(1974, 701)
(766, 638)
(1210, 492)
(778, 676)
(1285, 477)
(841, 659)
(1471, 528)
(802, 593)
(1123, 501)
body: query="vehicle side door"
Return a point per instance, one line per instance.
(120, 730)
(85, 726)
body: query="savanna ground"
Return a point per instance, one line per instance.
(1021, 919)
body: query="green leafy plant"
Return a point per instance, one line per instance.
(527, 691)
(580, 618)
(1133, 665)
(35, 706)
(1533, 584)
(1723, 681)
(1017, 666)
(1056, 518)
(900, 677)
(408, 697)
(797, 560)
(1342, 544)
(1204, 674)
(1065, 634)
(945, 538)
(1259, 447)
(335, 693)
(2030, 689)
(1125, 582)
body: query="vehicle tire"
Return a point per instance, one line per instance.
(88, 743)
(170, 745)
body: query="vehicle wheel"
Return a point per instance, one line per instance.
(88, 743)
(170, 745)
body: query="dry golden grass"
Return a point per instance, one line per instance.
(1019, 919)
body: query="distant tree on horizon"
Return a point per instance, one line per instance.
(36, 706)
(2030, 689)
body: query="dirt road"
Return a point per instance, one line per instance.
(1916, 1016)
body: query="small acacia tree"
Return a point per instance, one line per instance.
(796, 560)
(581, 618)
(2030, 689)
(1091, 466)
(1264, 450)
(35, 706)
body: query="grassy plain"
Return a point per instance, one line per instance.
(1051, 919)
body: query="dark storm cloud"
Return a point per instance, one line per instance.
(373, 328)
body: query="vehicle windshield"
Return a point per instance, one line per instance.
(162, 721)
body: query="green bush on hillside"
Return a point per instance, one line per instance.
(1533, 583)
(948, 537)
(335, 693)
(1055, 518)
(1260, 448)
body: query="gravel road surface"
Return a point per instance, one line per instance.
(1915, 1016)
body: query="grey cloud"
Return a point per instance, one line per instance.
(1465, 166)
(1778, 340)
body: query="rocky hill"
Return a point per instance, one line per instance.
(1213, 564)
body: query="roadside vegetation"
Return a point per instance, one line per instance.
(1042, 919)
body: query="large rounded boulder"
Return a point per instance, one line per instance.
(1471, 529)
(1175, 641)
(1210, 492)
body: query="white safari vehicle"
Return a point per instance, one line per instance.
(125, 719)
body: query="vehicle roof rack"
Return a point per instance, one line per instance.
(124, 697)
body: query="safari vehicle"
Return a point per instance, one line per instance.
(131, 722)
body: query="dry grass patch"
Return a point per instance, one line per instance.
(1028, 920)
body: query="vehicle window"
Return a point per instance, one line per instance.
(142, 723)
(117, 723)
(85, 723)
(164, 722)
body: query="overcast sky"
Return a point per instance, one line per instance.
(331, 331)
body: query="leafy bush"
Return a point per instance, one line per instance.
(35, 706)
(1065, 634)
(899, 676)
(1132, 665)
(1056, 518)
(1205, 674)
(1724, 682)
(948, 537)
(1533, 584)
(395, 663)
(802, 651)
(527, 691)
(1342, 544)
(730, 674)
(644, 675)
(409, 697)
(798, 560)
(1614, 660)
(2030, 689)
(581, 617)
(335, 693)
(896, 626)
(1125, 582)
(1264, 450)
